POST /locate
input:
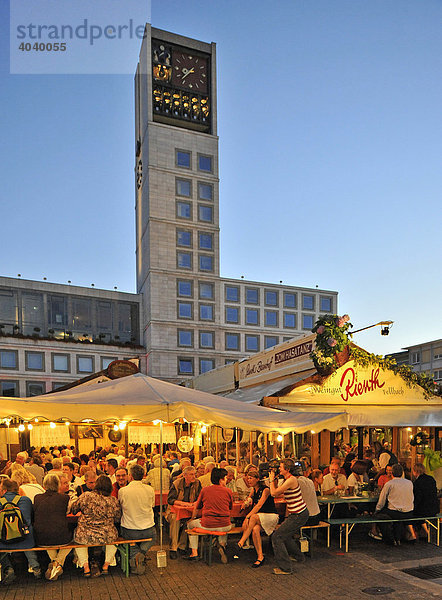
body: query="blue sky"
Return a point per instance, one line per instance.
(330, 157)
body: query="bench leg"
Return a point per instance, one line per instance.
(124, 558)
(346, 537)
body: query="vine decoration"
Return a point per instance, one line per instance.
(334, 338)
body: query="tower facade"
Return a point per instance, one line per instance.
(194, 320)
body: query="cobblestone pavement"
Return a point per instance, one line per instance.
(330, 574)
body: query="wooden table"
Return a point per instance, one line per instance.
(332, 500)
(186, 513)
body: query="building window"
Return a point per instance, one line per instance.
(290, 320)
(35, 388)
(35, 361)
(184, 288)
(85, 364)
(252, 316)
(184, 238)
(438, 375)
(183, 210)
(185, 310)
(308, 302)
(8, 359)
(206, 312)
(232, 314)
(269, 341)
(205, 163)
(106, 361)
(57, 313)
(182, 159)
(232, 341)
(271, 298)
(205, 191)
(415, 358)
(184, 260)
(206, 364)
(307, 322)
(205, 213)
(81, 314)
(231, 293)
(185, 366)
(271, 318)
(325, 304)
(252, 296)
(183, 187)
(252, 343)
(185, 338)
(205, 262)
(9, 389)
(206, 291)
(207, 339)
(61, 362)
(32, 312)
(104, 316)
(289, 300)
(56, 385)
(205, 241)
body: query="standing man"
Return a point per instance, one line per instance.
(137, 522)
(284, 546)
(426, 502)
(395, 502)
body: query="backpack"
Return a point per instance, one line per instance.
(12, 527)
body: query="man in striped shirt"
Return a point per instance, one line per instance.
(285, 548)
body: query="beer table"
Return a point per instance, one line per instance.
(332, 500)
(186, 513)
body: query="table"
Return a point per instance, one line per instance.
(332, 500)
(157, 498)
(186, 513)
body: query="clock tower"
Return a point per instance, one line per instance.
(176, 186)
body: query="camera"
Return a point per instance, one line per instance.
(266, 467)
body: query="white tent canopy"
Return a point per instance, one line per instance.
(145, 399)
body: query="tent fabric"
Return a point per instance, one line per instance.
(145, 399)
(382, 416)
(255, 393)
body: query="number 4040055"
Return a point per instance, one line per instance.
(42, 47)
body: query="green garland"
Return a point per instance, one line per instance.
(332, 336)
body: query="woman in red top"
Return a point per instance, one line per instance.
(215, 502)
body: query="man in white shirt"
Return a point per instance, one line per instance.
(395, 502)
(334, 481)
(137, 522)
(309, 496)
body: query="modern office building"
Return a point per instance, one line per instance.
(185, 319)
(425, 358)
(194, 319)
(52, 334)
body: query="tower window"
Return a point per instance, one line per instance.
(182, 159)
(205, 163)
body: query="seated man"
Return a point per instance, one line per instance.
(184, 462)
(183, 492)
(215, 502)
(137, 521)
(158, 473)
(90, 477)
(206, 479)
(121, 476)
(334, 481)
(9, 493)
(395, 502)
(74, 482)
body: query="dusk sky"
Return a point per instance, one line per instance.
(330, 134)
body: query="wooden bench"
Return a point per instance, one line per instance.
(122, 544)
(348, 524)
(308, 530)
(207, 537)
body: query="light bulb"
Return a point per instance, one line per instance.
(21, 427)
(115, 427)
(36, 420)
(279, 438)
(204, 429)
(30, 426)
(122, 425)
(67, 423)
(52, 425)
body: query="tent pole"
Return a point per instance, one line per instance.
(216, 445)
(161, 485)
(237, 446)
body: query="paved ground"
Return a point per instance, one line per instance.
(330, 574)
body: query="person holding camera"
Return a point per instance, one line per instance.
(285, 548)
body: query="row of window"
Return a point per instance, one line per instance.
(272, 298)
(183, 159)
(184, 239)
(184, 187)
(206, 340)
(184, 210)
(33, 388)
(206, 312)
(60, 362)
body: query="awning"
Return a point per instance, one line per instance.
(255, 393)
(145, 399)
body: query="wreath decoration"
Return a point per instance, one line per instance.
(421, 438)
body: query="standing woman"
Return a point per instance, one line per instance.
(51, 525)
(263, 515)
(99, 510)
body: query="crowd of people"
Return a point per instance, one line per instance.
(94, 500)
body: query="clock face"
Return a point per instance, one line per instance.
(189, 71)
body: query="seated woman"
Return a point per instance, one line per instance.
(357, 476)
(28, 485)
(98, 511)
(263, 515)
(51, 525)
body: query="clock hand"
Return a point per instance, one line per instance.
(187, 72)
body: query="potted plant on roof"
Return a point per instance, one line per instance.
(332, 339)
